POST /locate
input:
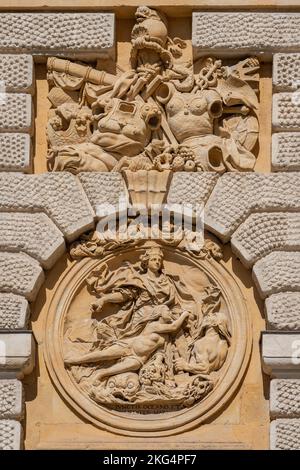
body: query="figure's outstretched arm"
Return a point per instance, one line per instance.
(172, 327)
(113, 297)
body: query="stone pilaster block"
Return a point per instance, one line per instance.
(286, 72)
(16, 73)
(285, 434)
(16, 113)
(11, 399)
(283, 311)
(286, 112)
(281, 354)
(16, 353)
(20, 274)
(11, 435)
(15, 152)
(286, 151)
(14, 312)
(285, 398)
(34, 234)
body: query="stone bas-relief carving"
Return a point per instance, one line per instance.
(162, 113)
(161, 346)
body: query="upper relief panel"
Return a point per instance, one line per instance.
(163, 113)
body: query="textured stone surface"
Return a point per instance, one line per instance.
(236, 195)
(286, 72)
(281, 354)
(16, 113)
(277, 272)
(191, 188)
(283, 311)
(104, 190)
(286, 151)
(20, 274)
(16, 353)
(16, 73)
(15, 152)
(11, 434)
(14, 311)
(286, 112)
(285, 398)
(285, 434)
(34, 234)
(264, 232)
(11, 399)
(239, 32)
(59, 195)
(57, 33)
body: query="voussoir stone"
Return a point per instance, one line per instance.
(264, 232)
(34, 234)
(11, 434)
(105, 191)
(286, 72)
(237, 195)
(285, 398)
(16, 113)
(279, 271)
(285, 434)
(14, 311)
(191, 188)
(286, 112)
(286, 151)
(59, 195)
(68, 34)
(15, 152)
(245, 32)
(16, 73)
(283, 312)
(20, 274)
(11, 399)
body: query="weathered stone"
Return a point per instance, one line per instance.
(20, 274)
(283, 312)
(11, 435)
(15, 152)
(236, 195)
(104, 190)
(34, 234)
(264, 232)
(191, 188)
(16, 73)
(286, 72)
(14, 311)
(73, 34)
(277, 272)
(285, 434)
(16, 353)
(285, 398)
(16, 113)
(244, 32)
(59, 195)
(286, 112)
(11, 399)
(286, 151)
(281, 354)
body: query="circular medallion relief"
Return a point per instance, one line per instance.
(147, 340)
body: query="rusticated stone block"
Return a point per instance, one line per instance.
(286, 72)
(283, 311)
(68, 34)
(16, 73)
(11, 435)
(285, 398)
(264, 232)
(11, 399)
(16, 113)
(245, 32)
(285, 434)
(16, 353)
(277, 272)
(59, 195)
(191, 188)
(34, 234)
(286, 151)
(286, 112)
(20, 274)
(237, 195)
(281, 354)
(14, 311)
(104, 190)
(15, 152)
